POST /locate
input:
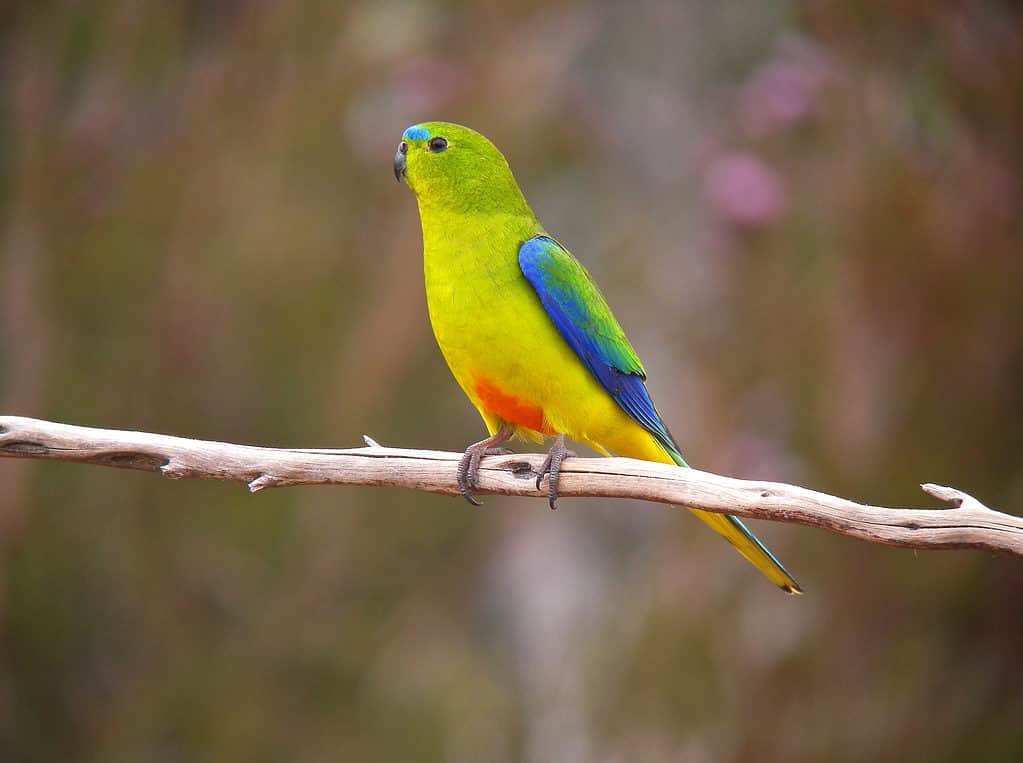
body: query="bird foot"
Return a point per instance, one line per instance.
(551, 469)
(469, 466)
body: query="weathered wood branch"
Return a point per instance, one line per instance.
(969, 524)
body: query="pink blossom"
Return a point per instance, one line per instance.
(743, 190)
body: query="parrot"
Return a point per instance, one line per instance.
(524, 328)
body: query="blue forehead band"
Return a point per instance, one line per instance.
(415, 132)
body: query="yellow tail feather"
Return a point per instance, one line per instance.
(635, 442)
(746, 544)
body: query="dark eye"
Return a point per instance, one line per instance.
(438, 144)
(403, 147)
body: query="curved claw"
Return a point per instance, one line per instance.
(466, 479)
(469, 465)
(551, 469)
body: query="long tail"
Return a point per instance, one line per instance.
(745, 542)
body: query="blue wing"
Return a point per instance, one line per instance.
(582, 316)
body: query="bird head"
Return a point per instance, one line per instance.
(448, 165)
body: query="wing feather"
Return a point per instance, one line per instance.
(583, 318)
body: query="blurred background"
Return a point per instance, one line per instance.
(808, 217)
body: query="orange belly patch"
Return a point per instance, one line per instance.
(510, 408)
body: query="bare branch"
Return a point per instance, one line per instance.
(969, 524)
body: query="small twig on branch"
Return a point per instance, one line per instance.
(969, 524)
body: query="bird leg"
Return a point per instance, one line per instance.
(469, 466)
(551, 468)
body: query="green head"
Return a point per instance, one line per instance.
(452, 167)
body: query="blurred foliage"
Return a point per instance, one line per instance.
(809, 217)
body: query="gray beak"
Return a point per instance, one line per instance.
(399, 161)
